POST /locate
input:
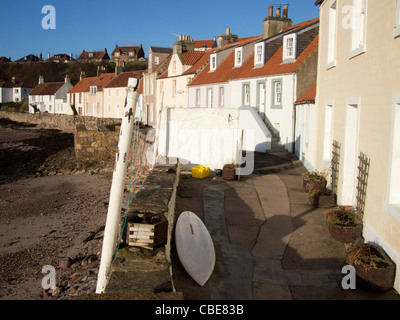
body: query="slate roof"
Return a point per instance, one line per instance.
(161, 50)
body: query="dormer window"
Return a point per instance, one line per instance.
(90, 55)
(259, 49)
(93, 89)
(289, 47)
(213, 65)
(238, 57)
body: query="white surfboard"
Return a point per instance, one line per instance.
(195, 247)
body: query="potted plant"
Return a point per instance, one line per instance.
(343, 224)
(374, 269)
(321, 197)
(312, 179)
(229, 172)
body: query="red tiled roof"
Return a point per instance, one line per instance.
(189, 58)
(226, 71)
(201, 62)
(4, 59)
(46, 89)
(82, 85)
(309, 95)
(122, 79)
(203, 44)
(101, 81)
(97, 55)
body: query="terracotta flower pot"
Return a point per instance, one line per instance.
(345, 234)
(376, 279)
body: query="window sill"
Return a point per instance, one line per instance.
(276, 106)
(288, 60)
(396, 31)
(356, 52)
(393, 210)
(330, 65)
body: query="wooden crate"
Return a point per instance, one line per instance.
(146, 235)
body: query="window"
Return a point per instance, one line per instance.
(289, 47)
(197, 97)
(156, 60)
(396, 31)
(259, 54)
(161, 86)
(93, 90)
(150, 60)
(117, 92)
(209, 98)
(221, 96)
(326, 157)
(151, 85)
(358, 28)
(117, 54)
(80, 97)
(213, 65)
(90, 55)
(332, 35)
(109, 108)
(109, 92)
(174, 88)
(98, 108)
(277, 93)
(246, 94)
(174, 66)
(131, 54)
(392, 204)
(238, 57)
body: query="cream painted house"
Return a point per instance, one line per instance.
(115, 93)
(94, 95)
(171, 86)
(358, 108)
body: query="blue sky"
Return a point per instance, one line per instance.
(95, 25)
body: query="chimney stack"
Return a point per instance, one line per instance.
(226, 38)
(274, 24)
(41, 80)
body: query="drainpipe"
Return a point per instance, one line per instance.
(117, 187)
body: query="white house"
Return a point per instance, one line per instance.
(43, 97)
(21, 91)
(6, 91)
(261, 72)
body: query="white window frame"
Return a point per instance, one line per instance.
(289, 56)
(333, 17)
(213, 63)
(259, 53)
(210, 98)
(358, 28)
(156, 60)
(277, 103)
(328, 127)
(117, 54)
(396, 31)
(392, 204)
(93, 90)
(238, 57)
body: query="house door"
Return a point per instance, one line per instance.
(350, 155)
(261, 98)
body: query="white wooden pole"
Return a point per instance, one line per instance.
(117, 187)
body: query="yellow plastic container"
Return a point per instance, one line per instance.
(200, 172)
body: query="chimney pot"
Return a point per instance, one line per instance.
(285, 11)
(270, 11)
(278, 12)
(228, 31)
